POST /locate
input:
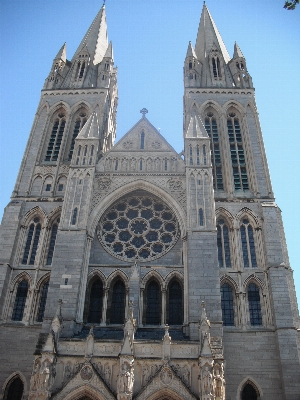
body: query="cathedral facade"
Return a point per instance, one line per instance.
(132, 272)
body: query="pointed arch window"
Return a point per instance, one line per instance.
(238, 161)
(32, 241)
(201, 217)
(14, 389)
(198, 155)
(191, 155)
(216, 66)
(249, 393)
(52, 242)
(227, 305)
(212, 130)
(142, 146)
(248, 245)
(74, 216)
(20, 301)
(79, 123)
(117, 310)
(56, 138)
(254, 305)
(95, 304)
(223, 244)
(42, 305)
(153, 303)
(175, 309)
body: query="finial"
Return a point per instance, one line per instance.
(144, 111)
(103, 3)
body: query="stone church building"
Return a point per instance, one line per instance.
(129, 271)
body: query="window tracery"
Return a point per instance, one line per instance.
(56, 138)
(20, 301)
(223, 244)
(32, 241)
(79, 123)
(248, 244)
(238, 161)
(212, 131)
(138, 227)
(52, 241)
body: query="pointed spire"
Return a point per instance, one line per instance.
(62, 54)
(95, 38)
(208, 34)
(90, 129)
(109, 51)
(196, 127)
(237, 51)
(190, 51)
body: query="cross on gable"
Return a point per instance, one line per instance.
(144, 111)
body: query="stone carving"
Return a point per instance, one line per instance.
(156, 144)
(68, 372)
(128, 144)
(125, 378)
(107, 374)
(34, 380)
(146, 374)
(185, 374)
(175, 184)
(86, 373)
(104, 184)
(219, 381)
(166, 376)
(206, 379)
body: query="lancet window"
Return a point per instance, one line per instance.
(248, 244)
(153, 303)
(117, 308)
(14, 389)
(79, 123)
(227, 305)
(53, 235)
(175, 309)
(142, 146)
(32, 241)
(212, 130)
(20, 301)
(216, 67)
(95, 302)
(238, 161)
(223, 244)
(42, 302)
(56, 138)
(254, 305)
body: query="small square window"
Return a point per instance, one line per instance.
(48, 187)
(60, 187)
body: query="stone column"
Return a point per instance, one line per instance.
(140, 322)
(104, 308)
(163, 307)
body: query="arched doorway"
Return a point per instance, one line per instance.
(14, 389)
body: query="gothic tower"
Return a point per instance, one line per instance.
(129, 271)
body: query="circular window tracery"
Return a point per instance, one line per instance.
(139, 227)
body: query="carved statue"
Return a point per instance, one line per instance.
(207, 381)
(146, 374)
(186, 375)
(219, 382)
(107, 374)
(125, 380)
(34, 381)
(67, 372)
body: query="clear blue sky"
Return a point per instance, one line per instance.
(150, 39)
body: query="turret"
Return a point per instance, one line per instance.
(59, 69)
(192, 68)
(238, 69)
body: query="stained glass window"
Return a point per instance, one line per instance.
(249, 393)
(14, 390)
(212, 130)
(254, 305)
(153, 304)
(237, 153)
(20, 301)
(227, 305)
(32, 241)
(175, 303)
(223, 244)
(248, 245)
(117, 310)
(55, 138)
(43, 299)
(95, 305)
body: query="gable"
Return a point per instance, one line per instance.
(154, 142)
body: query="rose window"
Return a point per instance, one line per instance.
(138, 228)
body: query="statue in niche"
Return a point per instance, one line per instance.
(107, 374)
(34, 381)
(186, 375)
(132, 164)
(157, 162)
(207, 381)
(124, 164)
(149, 164)
(125, 380)
(146, 374)
(219, 382)
(67, 372)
